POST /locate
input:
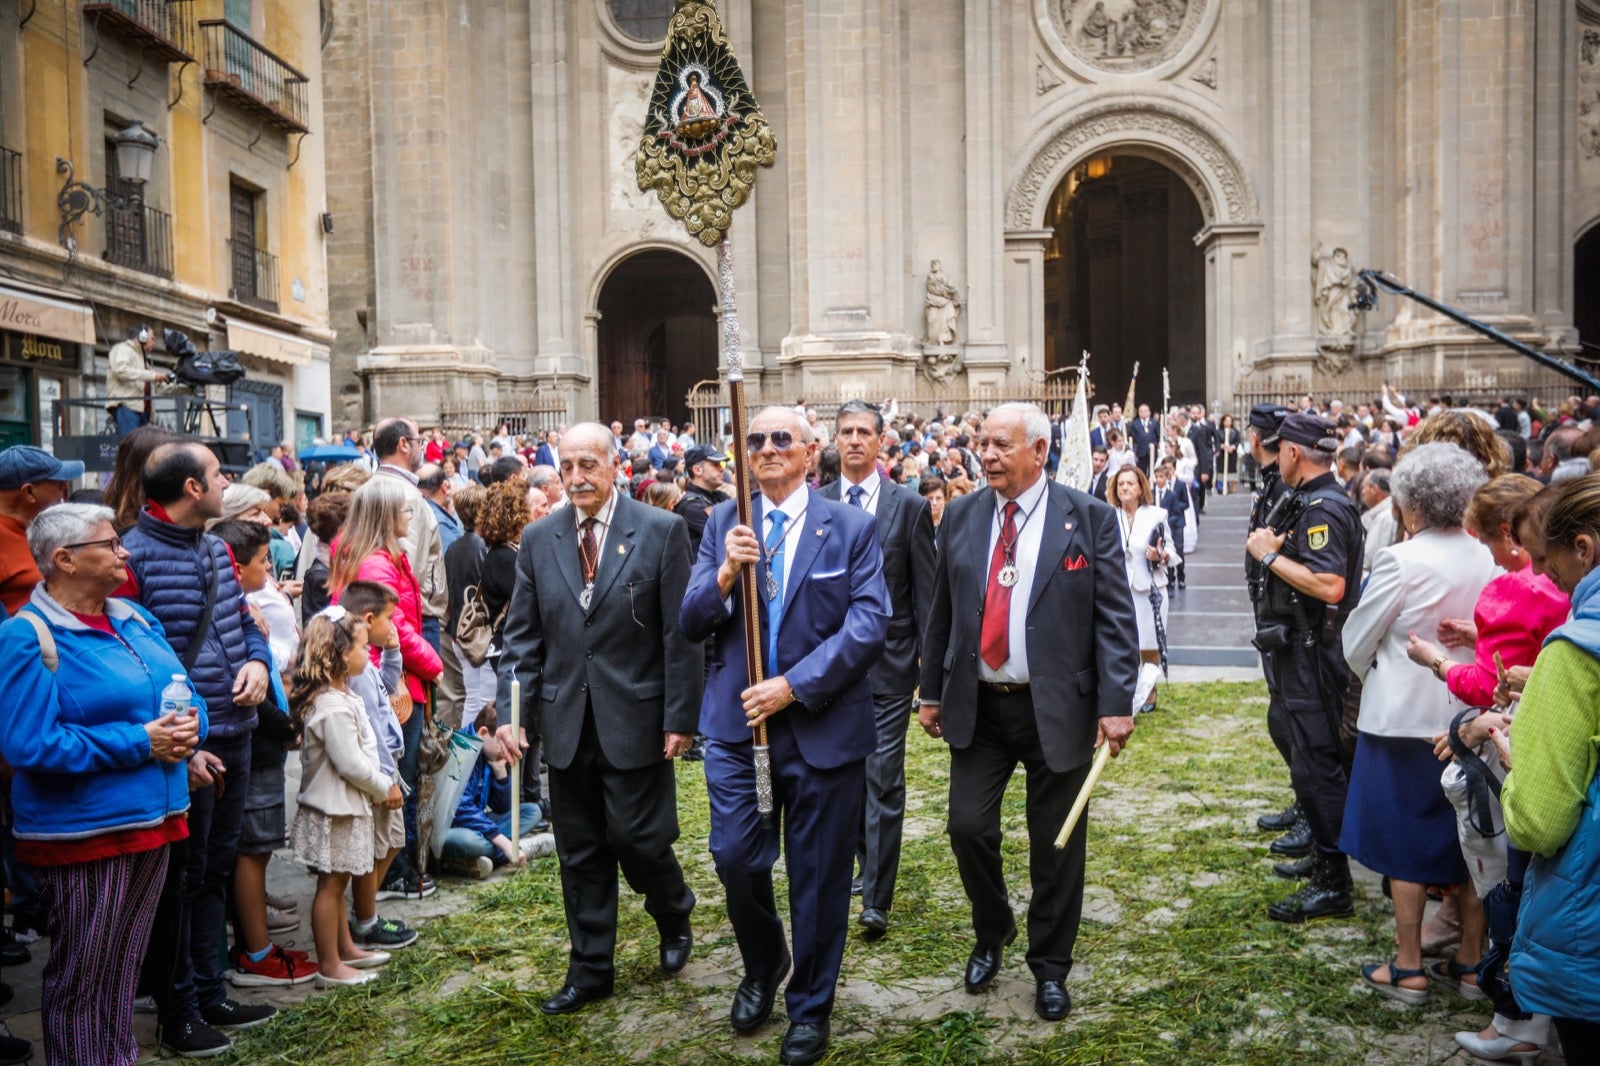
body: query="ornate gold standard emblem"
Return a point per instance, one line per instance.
(704, 134)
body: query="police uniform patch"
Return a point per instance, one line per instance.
(1317, 538)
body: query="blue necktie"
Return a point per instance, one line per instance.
(856, 492)
(774, 585)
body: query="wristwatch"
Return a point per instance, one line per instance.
(1440, 661)
(1266, 560)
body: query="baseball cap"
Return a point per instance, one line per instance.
(1268, 416)
(1308, 431)
(23, 464)
(700, 453)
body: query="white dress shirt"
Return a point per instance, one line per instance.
(871, 486)
(1031, 506)
(793, 507)
(602, 527)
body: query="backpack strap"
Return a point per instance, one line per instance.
(47, 640)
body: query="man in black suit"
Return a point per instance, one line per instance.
(1144, 434)
(1203, 435)
(1097, 483)
(613, 687)
(1102, 423)
(1041, 675)
(905, 533)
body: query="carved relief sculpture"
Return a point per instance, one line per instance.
(1333, 282)
(1124, 34)
(1589, 94)
(941, 310)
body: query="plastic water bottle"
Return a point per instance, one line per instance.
(177, 698)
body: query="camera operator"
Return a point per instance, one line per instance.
(127, 376)
(1312, 575)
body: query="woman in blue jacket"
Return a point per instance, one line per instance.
(101, 787)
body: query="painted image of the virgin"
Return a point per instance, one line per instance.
(696, 104)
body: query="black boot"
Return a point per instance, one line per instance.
(1298, 870)
(1281, 822)
(1295, 843)
(1326, 895)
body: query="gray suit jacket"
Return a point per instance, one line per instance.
(1083, 649)
(625, 656)
(905, 533)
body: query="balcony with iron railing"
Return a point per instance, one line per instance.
(139, 237)
(254, 275)
(240, 69)
(10, 190)
(160, 27)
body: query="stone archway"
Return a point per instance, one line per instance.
(1204, 158)
(656, 335)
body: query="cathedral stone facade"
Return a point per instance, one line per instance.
(968, 194)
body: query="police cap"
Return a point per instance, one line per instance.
(1268, 416)
(1308, 431)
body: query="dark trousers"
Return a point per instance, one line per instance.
(169, 938)
(884, 816)
(214, 825)
(1007, 734)
(1580, 1040)
(1277, 714)
(820, 812)
(404, 864)
(1317, 767)
(607, 818)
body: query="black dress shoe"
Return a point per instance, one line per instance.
(984, 963)
(804, 1043)
(1325, 895)
(572, 998)
(855, 885)
(1281, 822)
(675, 951)
(14, 954)
(874, 923)
(1298, 870)
(752, 1003)
(1294, 844)
(1051, 1001)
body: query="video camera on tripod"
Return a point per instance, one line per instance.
(198, 369)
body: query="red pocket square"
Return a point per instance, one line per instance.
(1079, 563)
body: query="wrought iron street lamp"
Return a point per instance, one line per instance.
(136, 151)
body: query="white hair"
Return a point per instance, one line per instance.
(793, 415)
(1034, 421)
(56, 527)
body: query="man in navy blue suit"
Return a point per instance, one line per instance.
(549, 453)
(825, 615)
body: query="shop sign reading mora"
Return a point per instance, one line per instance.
(26, 348)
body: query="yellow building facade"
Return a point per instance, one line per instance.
(222, 240)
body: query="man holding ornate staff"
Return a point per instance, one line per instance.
(1042, 675)
(819, 572)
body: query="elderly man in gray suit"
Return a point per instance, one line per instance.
(613, 687)
(905, 533)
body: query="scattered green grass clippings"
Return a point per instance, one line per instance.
(1177, 962)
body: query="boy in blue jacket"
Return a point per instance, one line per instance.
(479, 838)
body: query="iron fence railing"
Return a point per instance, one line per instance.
(254, 274)
(139, 237)
(242, 69)
(164, 27)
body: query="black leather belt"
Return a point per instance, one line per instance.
(1003, 688)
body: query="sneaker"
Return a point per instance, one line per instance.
(231, 1014)
(384, 933)
(277, 968)
(482, 867)
(538, 846)
(25, 934)
(407, 888)
(195, 1040)
(281, 921)
(144, 1004)
(282, 903)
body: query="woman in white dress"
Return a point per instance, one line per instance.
(1147, 552)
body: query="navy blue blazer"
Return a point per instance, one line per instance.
(835, 618)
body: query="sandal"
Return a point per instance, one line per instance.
(1393, 987)
(1454, 973)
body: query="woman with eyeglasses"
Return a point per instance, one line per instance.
(101, 788)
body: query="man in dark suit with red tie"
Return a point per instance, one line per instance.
(1042, 675)
(825, 616)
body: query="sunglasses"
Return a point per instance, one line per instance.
(781, 439)
(114, 543)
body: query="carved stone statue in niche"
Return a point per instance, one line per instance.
(941, 309)
(1333, 282)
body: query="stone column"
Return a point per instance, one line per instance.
(1292, 330)
(1234, 314)
(1024, 320)
(982, 334)
(557, 311)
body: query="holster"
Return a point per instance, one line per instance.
(1271, 637)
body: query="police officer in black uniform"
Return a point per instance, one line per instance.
(1312, 570)
(702, 492)
(1265, 418)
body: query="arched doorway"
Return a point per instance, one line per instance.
(1586, 293)
(657, 336)
(1124, 280)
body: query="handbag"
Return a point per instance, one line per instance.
(474, 629)
(433, 746)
